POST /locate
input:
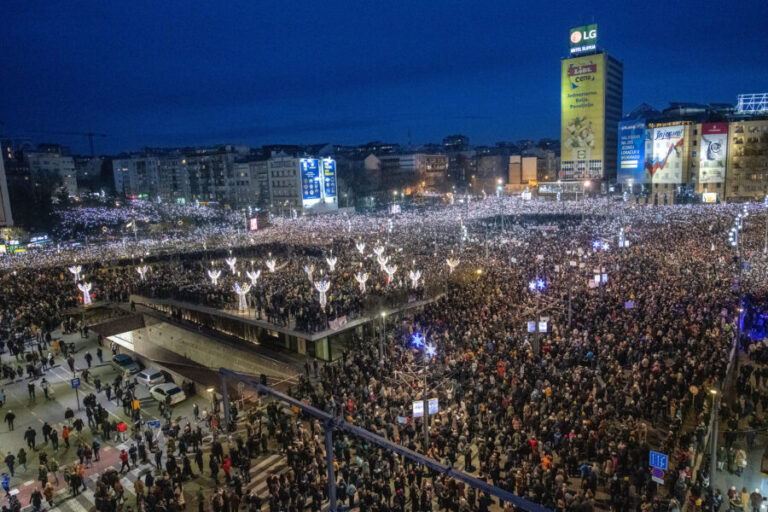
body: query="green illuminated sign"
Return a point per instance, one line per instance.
(583, 39)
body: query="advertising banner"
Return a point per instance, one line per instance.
(583, 39)
(582, 117)
(329, 177)
(631, 151)
(666, 162)
(712, 152)
(310, 178)
(253, 224)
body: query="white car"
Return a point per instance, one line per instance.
(150, 377)
(161, 391)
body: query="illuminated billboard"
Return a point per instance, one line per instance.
(310, 179)
(253, 224)
(583, 39)
(666, 160)
(713, 149)
(582, 130)
(329, 178)
(631, 152)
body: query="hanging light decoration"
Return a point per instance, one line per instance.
(86, 289)
(241, 291)
(253, 276)
(308, 269)
(214, 276)
(271, 264)
(331, 263)
(231, 262)
(361, 278)
(391, 269)
(452, 263)
(378, 251)
(75, 269)
(322, 287)
(360, 247)
(142, 271)
(414, 276)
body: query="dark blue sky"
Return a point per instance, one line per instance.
(256, 72)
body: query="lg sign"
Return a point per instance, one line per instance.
(583, 38)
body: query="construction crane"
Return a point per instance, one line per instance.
(90, 135)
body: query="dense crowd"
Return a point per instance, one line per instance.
(623, 365)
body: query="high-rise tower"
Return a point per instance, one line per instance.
(591, 107)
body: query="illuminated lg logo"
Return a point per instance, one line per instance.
(583, 35)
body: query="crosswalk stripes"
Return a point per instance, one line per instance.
(86, 501)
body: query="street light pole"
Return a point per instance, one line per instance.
(425, 404)
(381, 336)
(765, 242)
(713, 456)
(570, 280)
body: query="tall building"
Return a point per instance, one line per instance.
(51, 159)
(304, 184)
(136, 176)
(747, 175)
(592, 85)
(6, 219)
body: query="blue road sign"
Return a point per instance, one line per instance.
(154, 423)
(657, 460)
(75, 382)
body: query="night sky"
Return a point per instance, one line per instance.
(258, 72)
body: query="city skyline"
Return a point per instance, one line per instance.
(399, 73)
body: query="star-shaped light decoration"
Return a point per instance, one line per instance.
(430, 350)
(417, 339)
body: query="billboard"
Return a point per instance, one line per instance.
(329, 177)
(666, 160)
(253, 224)
(713, 148)
(310, 179)
(583, 39)
(582, 117)
(631, 151)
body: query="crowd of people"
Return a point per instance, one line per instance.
(634, 312)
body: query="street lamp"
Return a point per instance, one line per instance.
(429, 352)
(381, 335)
(713, 456)
(536, 286)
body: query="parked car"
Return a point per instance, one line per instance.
(168, 389)
(150, 377)
(126, 362)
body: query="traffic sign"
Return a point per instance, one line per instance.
(657, 475)
(75, 382)
(657, 460)
(154, 423)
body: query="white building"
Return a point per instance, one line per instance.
(53, 162)
(136, 176)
